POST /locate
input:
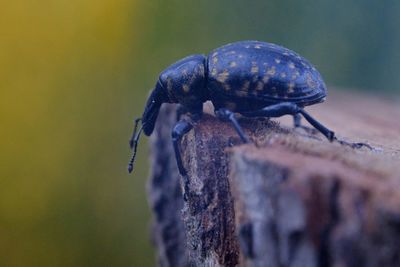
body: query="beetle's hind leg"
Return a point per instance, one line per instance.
(289, 108)
(228, 115)
(297, 124)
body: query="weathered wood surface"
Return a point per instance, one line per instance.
(292, 199)
(165, 196)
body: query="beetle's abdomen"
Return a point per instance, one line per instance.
(259, 72)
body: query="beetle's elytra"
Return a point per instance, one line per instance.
(255, 79)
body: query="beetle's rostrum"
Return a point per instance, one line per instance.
(253, 78)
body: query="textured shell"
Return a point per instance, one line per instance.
(263, 72)
(184, 81)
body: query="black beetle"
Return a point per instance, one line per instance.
(255, 79)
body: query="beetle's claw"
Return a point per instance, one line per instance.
(358, 145)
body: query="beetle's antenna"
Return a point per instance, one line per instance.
(134, 132)
(135, 142)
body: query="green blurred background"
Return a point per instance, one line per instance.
(74, 74)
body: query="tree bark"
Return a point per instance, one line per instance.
(289, 199)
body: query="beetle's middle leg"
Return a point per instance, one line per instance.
(297, 120)
(225, 114)
(289, 108)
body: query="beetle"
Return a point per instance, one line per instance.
(252, 78)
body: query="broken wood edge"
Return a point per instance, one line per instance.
(311, 211)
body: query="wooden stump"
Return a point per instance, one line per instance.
(290, 199)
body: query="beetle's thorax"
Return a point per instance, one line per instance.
(185, 81)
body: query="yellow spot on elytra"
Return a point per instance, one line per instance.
(257, 46)
(285, 53)
(214, 71)
(291, 65)
(184, 72)
(265, 64)
(240, 56)
(260, 86)
(291, 87)
(215, 60)
(295, 75)
(223, 76)
(214, 54)
(266, 78)
(245, 86)
(254, 67)
(232, 64)
(277, 60)
(231, 53)
(246, 46)
(271, 71)
(283, 75)
(185, 88)
(310, 81)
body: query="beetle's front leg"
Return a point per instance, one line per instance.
(297, 120)
(181, 128)
(228, 115)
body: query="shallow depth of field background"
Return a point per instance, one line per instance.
(74, 74)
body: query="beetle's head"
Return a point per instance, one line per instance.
(182, 82)
(157, 97)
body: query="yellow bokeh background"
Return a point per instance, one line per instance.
(65, 199)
